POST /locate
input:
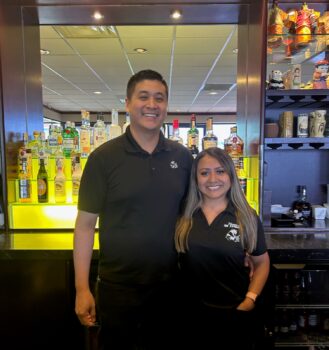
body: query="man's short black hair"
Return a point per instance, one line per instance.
(146, 74)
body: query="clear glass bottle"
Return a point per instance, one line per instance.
(193, 137)
(301, 204)
(99, 133)
(60, 181)
(85, 134)
(210, 139)
(175, 135)
(42, 179)
(43, 149)
(25, 156)
(115, 128)
(76, 178)
(24, 182)
(34, 144)
(127, 122)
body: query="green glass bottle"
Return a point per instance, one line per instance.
(42, 179)
(193, 137)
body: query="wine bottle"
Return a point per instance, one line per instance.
(42, 179)
(193, 137)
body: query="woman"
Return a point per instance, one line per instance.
(217, 229)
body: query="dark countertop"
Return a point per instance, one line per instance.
(283, 243)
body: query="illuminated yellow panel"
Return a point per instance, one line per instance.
(46, 241)
(38, 216)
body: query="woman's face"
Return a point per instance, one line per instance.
(213, 181)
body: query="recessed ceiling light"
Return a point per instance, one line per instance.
(213, 93)
(44, 52)
(236, 50)
(97, 92)
(176, 14)
(140, 50)
(98, 15)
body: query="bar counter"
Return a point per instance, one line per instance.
(37, 281)
(59, 244)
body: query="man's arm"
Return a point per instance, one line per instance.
(82, 254)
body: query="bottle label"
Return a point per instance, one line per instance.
(209, 143)
(75, 187)
(24, 189)
(59, 188)
(193, 139)
(42, 187)
(85, 141)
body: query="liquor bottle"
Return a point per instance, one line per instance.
(76, 138)
(210, 139)
(242, 176)
(43, 149)
(193, 137)
(175, 135)
(115, 128)
(301, 204)
(233, 145)
(85, 134)
(286, 289)
(284, 325)
(25, 156)
(76, 178)
(99, 133)
(60, 181)
(42, 179)
(296, 288)
(68, 140)
(24, 182)
(34, 145)
(52, 140)
(127, 122)
(313, 320)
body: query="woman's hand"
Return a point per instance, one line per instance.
(246, 305)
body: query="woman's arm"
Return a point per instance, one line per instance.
(261, 270)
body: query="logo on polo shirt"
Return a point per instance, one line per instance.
(173, 165)
(233, 233)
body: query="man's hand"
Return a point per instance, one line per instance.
(249, 263)
(85, 308)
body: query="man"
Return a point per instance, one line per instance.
(135, 185)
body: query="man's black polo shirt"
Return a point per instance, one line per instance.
(137, 196)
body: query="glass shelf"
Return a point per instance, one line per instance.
(290, 48)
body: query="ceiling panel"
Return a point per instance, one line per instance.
(187, 56)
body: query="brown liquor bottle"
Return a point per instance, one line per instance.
(301, 204)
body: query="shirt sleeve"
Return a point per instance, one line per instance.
(93, 187)
(261, 247)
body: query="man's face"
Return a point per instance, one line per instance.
(148, 105)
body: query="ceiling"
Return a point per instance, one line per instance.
(194, 59)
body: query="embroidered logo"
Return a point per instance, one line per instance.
(173, 164)
(233, 233)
